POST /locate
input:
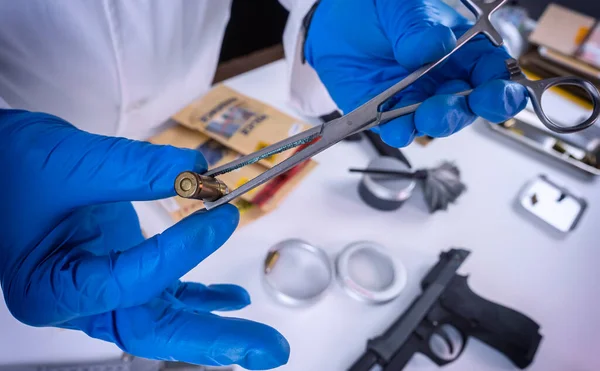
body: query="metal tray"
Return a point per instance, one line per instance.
(552, 203)
(579, 150)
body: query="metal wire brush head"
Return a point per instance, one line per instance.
(441, 185)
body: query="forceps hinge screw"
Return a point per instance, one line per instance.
(512, 65)
(199, 187)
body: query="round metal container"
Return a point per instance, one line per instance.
(385, 192)
(297, 273)
(369, 273)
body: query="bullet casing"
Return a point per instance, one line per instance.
(199, 187)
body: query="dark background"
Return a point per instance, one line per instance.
(254, 25)
(536, 7)
(259, 24)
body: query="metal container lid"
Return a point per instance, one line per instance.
(297, 273)
(369, 273)
(386, 187)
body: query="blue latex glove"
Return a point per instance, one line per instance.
(360, 48)
(72, 254)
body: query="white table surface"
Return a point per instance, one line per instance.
(516, 262)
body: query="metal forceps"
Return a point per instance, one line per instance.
(371, 114)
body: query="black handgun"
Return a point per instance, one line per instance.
(450, 312)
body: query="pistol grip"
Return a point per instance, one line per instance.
(510, 332)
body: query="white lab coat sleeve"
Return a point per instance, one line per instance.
(3, 104)
(305, 90)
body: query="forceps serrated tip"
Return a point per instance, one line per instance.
(273, 149)
(295, 141)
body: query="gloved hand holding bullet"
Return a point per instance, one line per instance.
(72, 254)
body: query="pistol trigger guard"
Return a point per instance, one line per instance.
(464, 338)
(434, 357)
(444, 335)
(445, 344)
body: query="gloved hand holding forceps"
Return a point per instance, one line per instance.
(361, 48)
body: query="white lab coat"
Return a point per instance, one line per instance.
(123, 67)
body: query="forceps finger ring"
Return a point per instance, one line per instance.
(537, 88)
